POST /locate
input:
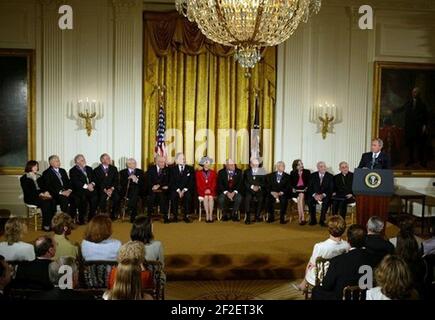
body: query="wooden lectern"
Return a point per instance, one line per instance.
(373, 190)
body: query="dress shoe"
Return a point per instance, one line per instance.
(165, 221)
(302, 223)
(322, 224)
(247, 222)
(282, 222)
(312, 223)
(225, 218)
(258, 219)
(175, 220)
(187, 220)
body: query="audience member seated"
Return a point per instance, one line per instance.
(13, 249)
(133, 250)
(393, 281)
(182, 187)
(406, 225)
(142, 230)
(255, 188)
(343, 270)
(299, 181)
(408, 249)
(327, 249)
(63, 289)
(5, 277)
(130, 277)
(157, 186)
(98, 244)
(320, 190)
(375, 242)
(230, 184)
(57, 183)
(343, 194)
(278, 186)
(35, 193)
(34, 274)
(429, 245)
(62, 224)
(206, 187)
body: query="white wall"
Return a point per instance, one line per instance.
(331, 59)
(101, 58)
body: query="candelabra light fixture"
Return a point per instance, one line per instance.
(248, 25)
(87, 110)
(324, 116)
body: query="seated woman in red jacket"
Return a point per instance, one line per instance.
(206, 186)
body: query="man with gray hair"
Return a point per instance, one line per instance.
(107, 185)
(157, 187)
(278, 188)
(83, 186)
(343, 194)
(56, 182)
(376, 159)
(64, 275)
(255, 186)
(376, 245)
(230, 183)
(132, 182)
(320, 190)
(182, 186)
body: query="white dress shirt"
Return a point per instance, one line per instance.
(327, 249)
(106, 250)
(376, 294)
(18, 251)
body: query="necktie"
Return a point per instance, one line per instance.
(181, 169)
(59, 176)
(373, 161)
(85, 174)
(278, 178)
(321, 179)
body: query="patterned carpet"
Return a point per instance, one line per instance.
(232, 290)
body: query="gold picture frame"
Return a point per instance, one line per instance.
(393, 85)
(28, 56)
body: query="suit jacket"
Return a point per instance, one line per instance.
(139, 186)
(415, 118)
(203, 184)
(30, 192)
(273, 185)
(381, 162)
(152, 178)
(378, 247)
(104, 181)
(186, 180)
(294, 178)
(254, 180)
(344, 271)
(343, 184)
(53, 184)
(224, 182)
(62, 294)
(33, 275)
(79, 179)
(326, 187)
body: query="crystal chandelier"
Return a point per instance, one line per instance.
(248, 25)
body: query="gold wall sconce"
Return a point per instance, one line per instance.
(324, 116)
(87, 111)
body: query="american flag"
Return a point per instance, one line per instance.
(160, 148)
(255, 132)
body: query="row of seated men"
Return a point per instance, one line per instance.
(103, 188)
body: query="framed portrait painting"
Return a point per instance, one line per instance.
(17, 138)
(404, 115)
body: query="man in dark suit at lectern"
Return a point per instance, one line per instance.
(376, 159)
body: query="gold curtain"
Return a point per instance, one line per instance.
(208, 96)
